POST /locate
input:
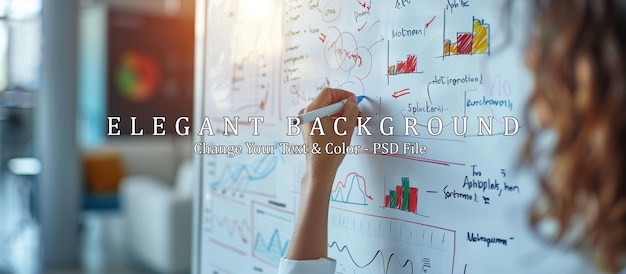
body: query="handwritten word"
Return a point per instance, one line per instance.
(427, 109)
(288, 78)
(358, 15)
(476, 181)
(293, 60)
(451, 81)
(402, 3)
(398, 33)
(493, 240)
(294, 47)
(293, 5)
(490, 102)
(290, 70)
(458, 195)
(454, 4)
(294, 18)
(331, 11)
(484, 185)
(293, 33)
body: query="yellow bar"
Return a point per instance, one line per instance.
(480, 41)
(453, 49)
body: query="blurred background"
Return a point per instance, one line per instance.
(72, 199)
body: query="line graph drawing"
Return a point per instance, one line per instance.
(353, 190)
(251, 76)
(272, 250)
(253, 178)
(272, 233)
(249, 86)
(237, 228)
(387, 263)
(404, 246)
(230, 225)
(468, 43)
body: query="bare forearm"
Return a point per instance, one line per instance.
(310, 237)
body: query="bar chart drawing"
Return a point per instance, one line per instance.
(468, 43)
(353, 190)
(409, 65)
(403, 197)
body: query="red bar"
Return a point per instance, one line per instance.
(411, 63)
(413, 199)
(387, 201)
(399, 197)
(401, 67)
(464, 41)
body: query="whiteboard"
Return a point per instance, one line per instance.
(461, 207)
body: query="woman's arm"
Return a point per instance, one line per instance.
(310, 237)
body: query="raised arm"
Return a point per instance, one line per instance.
(310, 237)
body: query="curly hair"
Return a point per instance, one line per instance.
(578, 52)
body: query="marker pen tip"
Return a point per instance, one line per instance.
(360, 98)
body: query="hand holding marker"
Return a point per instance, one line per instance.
(323, 112)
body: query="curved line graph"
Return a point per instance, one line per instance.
(380, 253)
(241, 176)
(241, 227)
(274, 249)
(337, 194)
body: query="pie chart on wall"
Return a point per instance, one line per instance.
(137, 76)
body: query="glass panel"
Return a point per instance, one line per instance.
(3, 54)
(3, 7)
(20, 57)
(25, 54)
(23, 9)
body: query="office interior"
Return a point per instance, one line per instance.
(72, 198)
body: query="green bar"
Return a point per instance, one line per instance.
(392, 199)
(405, 193)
